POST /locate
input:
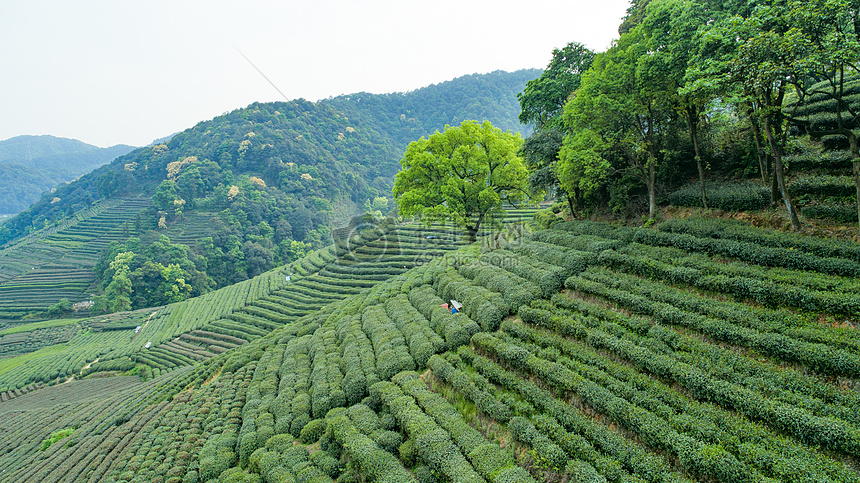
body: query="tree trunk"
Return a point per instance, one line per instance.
(780, 180)
(857, 185)
(471, 233)
(652, 191)
(693, 123)
(774, 186)
(570, 205)
(759, 147)
(855, 161)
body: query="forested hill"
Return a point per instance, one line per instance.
(31, 165)
(260, 185)
(410, 115)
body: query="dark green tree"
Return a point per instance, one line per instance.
(542, 101)
(831, 29)
(629, 106)
(541, 105)
(165, 195)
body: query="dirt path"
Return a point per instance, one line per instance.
(72, 377)
(88, 366)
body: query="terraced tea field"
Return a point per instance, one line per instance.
(697, 351)
(57, 263)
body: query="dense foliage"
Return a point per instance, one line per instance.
(586, 352)
(344, 147)
(689, 350)
(707, 90)
(465, 172)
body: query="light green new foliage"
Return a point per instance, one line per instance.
(464, 173)
(54, 437)
(581, 167)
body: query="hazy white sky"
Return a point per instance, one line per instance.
(128, 72)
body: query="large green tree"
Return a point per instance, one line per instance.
(543, 99)
(669, 30)
(464, 173)
(753, 55)
(628, 104)
(542, 103)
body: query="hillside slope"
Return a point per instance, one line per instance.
(587, 352)
(31, 165)
(256, 187)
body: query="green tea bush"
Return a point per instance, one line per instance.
(549, 278)
(491, 461)
(751, 253)
(727, 229)
(841, 212)
(363, 418)
(455, 328)
(586, 243)
(374, 462)
(571, 260)
(817, 356)
(325, 462)
(392, 354)
(743, 196)
(516, 290)
(387, 440)
(823, 185)
(598, 229)
(484, 306)
(433, 444)
(312, 431)
(485, 401)
(544, 449)
(421, 339)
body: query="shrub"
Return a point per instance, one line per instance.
(279, 443)
(514, 475)
(387, 440)
(364, 419)
(490, 460)
(743, 196)
(841, 212)
(545, 450)
(312, 431)
(455, 328)
(407, 452)
(294, 455)
(374, 463)
(425, 475)
(326, 463)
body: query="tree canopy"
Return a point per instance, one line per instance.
(464, 173)
(692, 86)
(543, 98)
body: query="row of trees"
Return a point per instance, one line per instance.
(636, 112)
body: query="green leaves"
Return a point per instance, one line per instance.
(543, 98)
(465, 172)
(581, 166)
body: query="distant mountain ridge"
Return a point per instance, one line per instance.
(32, 165)
(25, 148)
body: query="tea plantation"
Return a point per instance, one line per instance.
(697, 350)
(57, 262)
